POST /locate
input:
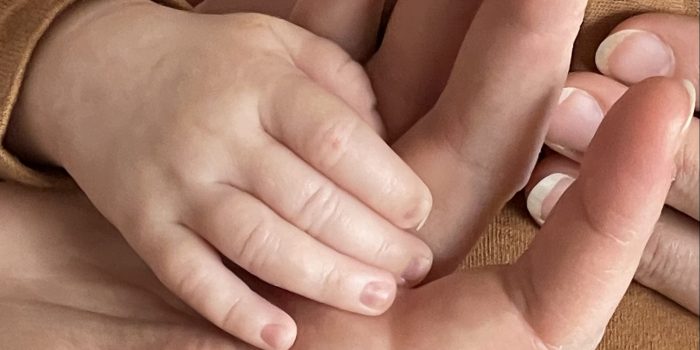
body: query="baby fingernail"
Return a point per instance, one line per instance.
(545, 195)
(277, 336)
(633, 55)
(417, 269)
(422, 211)
(574, 123)
(378, 295)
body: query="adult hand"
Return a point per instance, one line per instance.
(559, 294)
(643, 46)
(242, 135)
(564, 289)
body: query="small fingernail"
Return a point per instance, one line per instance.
(277, 337)
(378, 295)
(693, 96)
(424, 209)
(633, 55)
(417, 269)
(545, 195)
(422, 223)
(574, 122)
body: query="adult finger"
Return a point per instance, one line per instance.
(352, 24)
(650, 45)
(671, 260)
(314, 204)
(193, 270)
(669, 264)
(489, 124)
(550, 179)
(329, 136)
(576, 271)
(277, 8)
(255, 238)
(583, 103)
(416, 56)
(574, 122)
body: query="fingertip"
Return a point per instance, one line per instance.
(607, 47)
(544, 196)
(632, 55)
(377, 297)
(660, 39)
(417, 269)
(279, 336)
(416, 216)
(692, 98)
(553, 163)
(574, 122)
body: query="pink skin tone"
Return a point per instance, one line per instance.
(407, 78)
(443, 140)
(239, 135)
(661, 45)
(500, 292)
(671, 261)
(351, 24)
(560, 294)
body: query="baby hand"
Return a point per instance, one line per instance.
(240, 135)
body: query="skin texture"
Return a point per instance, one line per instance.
(457, 103)
(75, 251)
(352, 25)
(671, 260)
(240, 135)
(506, 293)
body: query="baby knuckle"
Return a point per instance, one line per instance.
(318, 208)
(190, 281)
(258, 244)
(331, 142)
(331, 279)
(383, 250)
(234, 314)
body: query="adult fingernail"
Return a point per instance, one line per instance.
(378, 295)
(633, 55)
(691, 109)
(277, 336)
(545, 195)
(417, 269)
(574, 123)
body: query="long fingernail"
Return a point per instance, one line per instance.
(693, 96)
(574, 123)
(633, 55)
(378, 295)
(545, 195)
(277, 336)
(417, 269)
